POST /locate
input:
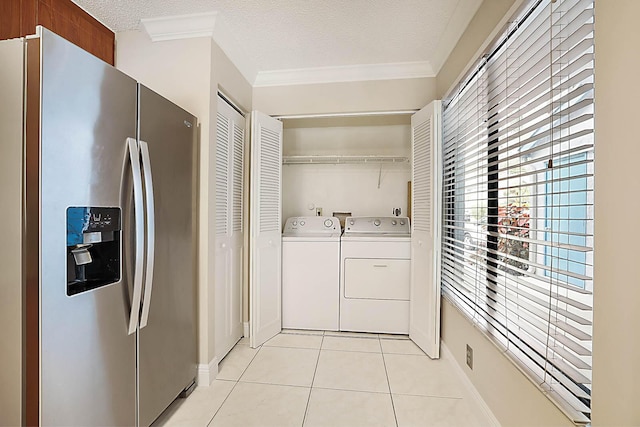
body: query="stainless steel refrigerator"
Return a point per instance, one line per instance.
(99, 240)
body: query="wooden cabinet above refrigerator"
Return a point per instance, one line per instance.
(18, 18)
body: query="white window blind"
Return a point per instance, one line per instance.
(518, 153)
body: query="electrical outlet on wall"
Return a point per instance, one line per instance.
(318, 211)
(469, 357)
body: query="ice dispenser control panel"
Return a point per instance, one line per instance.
(93, 248)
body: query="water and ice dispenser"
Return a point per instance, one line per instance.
(93, 248)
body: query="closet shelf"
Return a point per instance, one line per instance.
(333, 160)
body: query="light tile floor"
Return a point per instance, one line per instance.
(332, 379)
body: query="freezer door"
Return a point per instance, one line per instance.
(167, 350)
(88, 109)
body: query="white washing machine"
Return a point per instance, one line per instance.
(375, 275)
(311, 273)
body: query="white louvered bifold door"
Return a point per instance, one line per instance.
(229, 233)
(424, 317)
(265, 284)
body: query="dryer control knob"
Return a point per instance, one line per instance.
(376, 223)
(401, 222)
(394, 222)
(328, 223)
(302, 222)
(351, 222)
(294, 223)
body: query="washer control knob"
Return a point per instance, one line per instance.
(294, 223)
(302, 223)
(328, 223)
(401, 222)
(376, 223)
(394, 222)
(351, 222)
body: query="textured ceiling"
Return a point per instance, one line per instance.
(295, 34)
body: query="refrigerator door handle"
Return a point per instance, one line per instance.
(134, 157)
(148, 186)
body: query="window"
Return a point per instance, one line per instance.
(518, 197)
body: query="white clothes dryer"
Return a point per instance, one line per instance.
(375, 276)
(311, 273)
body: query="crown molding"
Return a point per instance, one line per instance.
(348, 73)
(180, 26)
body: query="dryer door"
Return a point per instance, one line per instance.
(377, 278)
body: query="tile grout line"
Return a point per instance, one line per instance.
(306, 409)
(386, 373)
(330, 349)
(234, 386)
(430, 396)
(289, 346)
(275, 384)
(351, 390)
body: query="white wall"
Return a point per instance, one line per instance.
(513, 399)
(373, 135)
(226, 77)
(485, 20)
(616, 340)
(178, 70)
(346, 187)
(382, 95)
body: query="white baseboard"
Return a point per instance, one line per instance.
(246, 329)
(465, 379)
(207, 372)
